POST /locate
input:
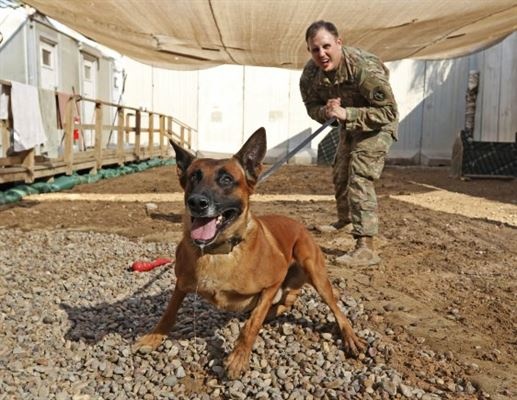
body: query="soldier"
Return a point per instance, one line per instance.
(353, 86)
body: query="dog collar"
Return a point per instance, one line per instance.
(225, 247)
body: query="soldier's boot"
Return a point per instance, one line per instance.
(362, 256)
(335, 226)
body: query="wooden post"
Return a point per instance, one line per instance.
(182, 136)
(5, 137)
(169, 126)
(150, 144)
(128, 126)
(120, 136)
(98, 136)
(28, 163)
(163, 142)
(189, 138)
(68, 150)
(138, 131)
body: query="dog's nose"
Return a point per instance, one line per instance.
(198, 203)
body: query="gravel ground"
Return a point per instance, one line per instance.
(70, 309)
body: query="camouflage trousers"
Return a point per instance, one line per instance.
(358, 164)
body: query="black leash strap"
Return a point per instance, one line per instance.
(285, 158)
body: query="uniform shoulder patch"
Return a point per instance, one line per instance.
(377, 91)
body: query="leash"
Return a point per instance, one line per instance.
(285, 158)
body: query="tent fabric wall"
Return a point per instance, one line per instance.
(188, 34)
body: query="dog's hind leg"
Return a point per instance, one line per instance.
(311, 258)
(153, 339)
(290, 291)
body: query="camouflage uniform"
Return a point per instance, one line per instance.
(362, 83)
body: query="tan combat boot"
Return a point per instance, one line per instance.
(333, 227)
(362, 256)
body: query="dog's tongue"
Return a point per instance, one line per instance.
(203, 228)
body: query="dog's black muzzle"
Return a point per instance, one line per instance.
(198, 204)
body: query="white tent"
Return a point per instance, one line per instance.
(193, 34)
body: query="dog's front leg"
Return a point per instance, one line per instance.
(154, 339)
(237, 361)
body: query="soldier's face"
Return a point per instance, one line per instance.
(325, 50)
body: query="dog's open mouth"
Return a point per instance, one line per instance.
(205, 229)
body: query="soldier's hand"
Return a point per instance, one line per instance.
(334, 102)
(336, 111)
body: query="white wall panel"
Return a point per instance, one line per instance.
(491, 86)
(220, 109)
(444, 107)
(176, 95)
(266, 103)
(508, 99)
(407, 81)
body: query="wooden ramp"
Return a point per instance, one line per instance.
(134, 135)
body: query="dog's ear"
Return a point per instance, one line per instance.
(183, 160)
(251, 155)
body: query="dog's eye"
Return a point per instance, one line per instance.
(226, 180)
(196, 176)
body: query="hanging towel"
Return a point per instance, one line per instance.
(4, 102)
(47, 101)
(27, 122)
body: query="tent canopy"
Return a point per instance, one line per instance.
(194, 34)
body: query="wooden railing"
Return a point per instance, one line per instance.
(140, 135)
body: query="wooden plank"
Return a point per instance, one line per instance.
(128, 129)
(5, 136)
(120, 135)
(98, 135)
(104, 127)
(189, 138)
(150, 143)
(68, 144)
(84, 156)
(28, 163)
(138, 128)
(182, 136)
(163, 142)
(169, 127)
(13, 175)
(14, 160)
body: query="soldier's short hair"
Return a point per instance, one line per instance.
(321, 24)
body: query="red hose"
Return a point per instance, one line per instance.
(144, 266)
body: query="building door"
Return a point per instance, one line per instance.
(48, 65)
(89, 65)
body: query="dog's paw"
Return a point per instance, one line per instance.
(148, 343)
(353, 344)
(237, 363)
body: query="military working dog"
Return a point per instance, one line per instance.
(238, 261)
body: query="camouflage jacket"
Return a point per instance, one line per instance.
(362, 83)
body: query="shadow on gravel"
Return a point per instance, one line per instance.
(137, 315)
(197, 319)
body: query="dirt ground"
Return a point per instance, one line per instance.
(444, 295)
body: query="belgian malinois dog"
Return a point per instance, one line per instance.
(238, 261)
